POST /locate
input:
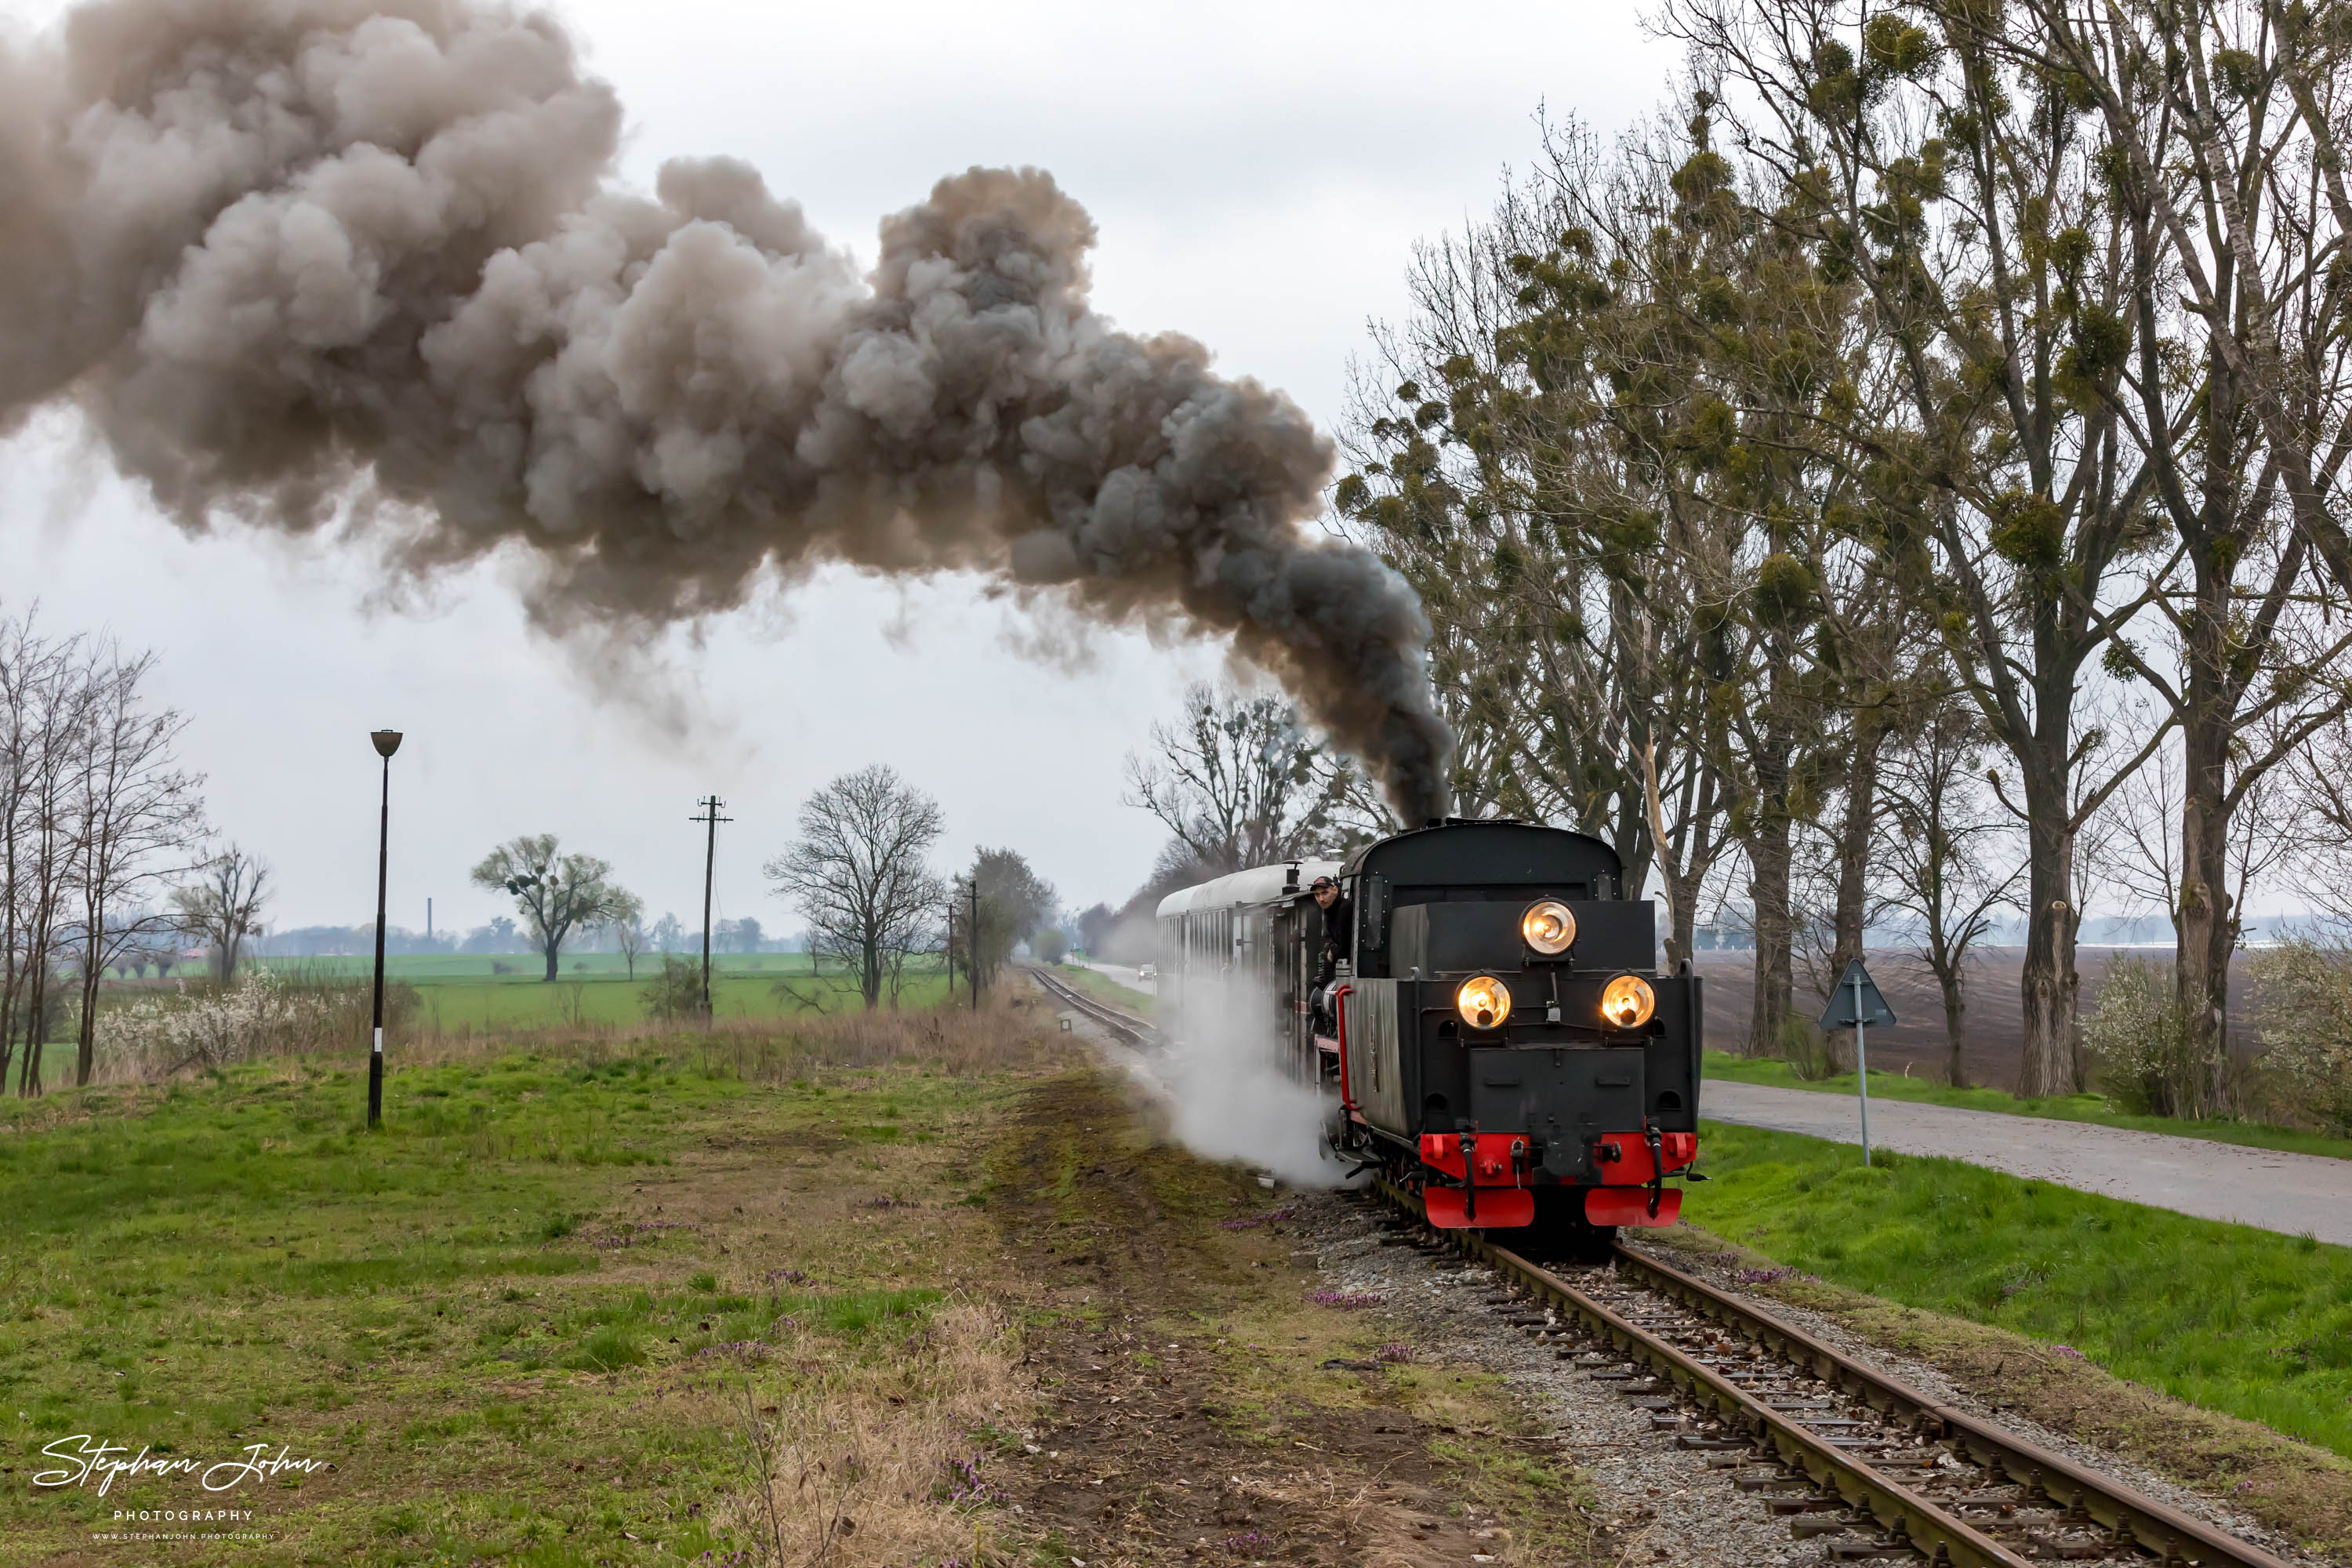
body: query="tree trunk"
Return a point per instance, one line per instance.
(86, 1037)
(554, 951)
(1854, 852)
(2201, 924)
(1956, 1007)
(1767, 858)
(1635, 849)
(2049, 983)
(1854, 847)
(36, 1030)
(869, 958)
(1682, 915)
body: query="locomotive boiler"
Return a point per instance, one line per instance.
(1498, 1037)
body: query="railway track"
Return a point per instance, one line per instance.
(1125, 1025)
(1874, 1468)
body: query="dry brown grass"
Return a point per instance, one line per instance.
(857, 1467)
(1008, 1034)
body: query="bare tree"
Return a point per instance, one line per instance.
(630, 936)
(223, 906)
(137, 814)
(35, 719)
(859, 874)
(1241, 781)
(1951, 851)
(555, 893)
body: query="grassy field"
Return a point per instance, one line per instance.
(529, 968)
(2092, 1108)
(463, 993)
(520, 1323)
(744, 1293)
(2242, 1321)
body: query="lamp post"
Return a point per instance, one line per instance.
(386, 743)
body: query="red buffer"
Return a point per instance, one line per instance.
(1500, 1163)
(1492, 1169)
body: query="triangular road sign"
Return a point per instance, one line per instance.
(1839, 1013)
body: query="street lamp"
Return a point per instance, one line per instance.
(386, 743)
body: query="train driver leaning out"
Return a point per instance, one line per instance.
(1330, 943)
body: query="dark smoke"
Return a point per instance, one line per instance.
(360, 265)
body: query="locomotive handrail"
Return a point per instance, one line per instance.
(1340, 1012)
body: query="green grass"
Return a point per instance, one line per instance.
(236, 1259)
(2242, 1321)
(500, 1005)
(448, 1310)
(529, 968)
(2092, 1108)
(1097, 983)
(455, 992)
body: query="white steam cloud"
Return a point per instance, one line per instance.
(1230, 1098)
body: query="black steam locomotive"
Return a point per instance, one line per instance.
(1501, 1041)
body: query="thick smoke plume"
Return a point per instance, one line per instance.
(361, 264)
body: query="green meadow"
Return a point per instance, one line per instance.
(518, 1324)
(2242, 1321)
(507, 993)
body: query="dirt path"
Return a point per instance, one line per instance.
(1199, 1403)
(2295, 1194)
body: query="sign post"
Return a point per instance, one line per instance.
(1856, 1004)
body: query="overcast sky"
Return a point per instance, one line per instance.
(1258, 172)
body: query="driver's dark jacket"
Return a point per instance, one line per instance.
(1332, 938)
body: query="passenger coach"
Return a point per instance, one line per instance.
(1503, 1043)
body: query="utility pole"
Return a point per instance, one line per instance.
(950, 950)
(709, 817)
(973, 933)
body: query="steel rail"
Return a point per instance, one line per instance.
(2165, 1533)
(1125, 1025)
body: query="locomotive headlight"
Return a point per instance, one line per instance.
(1483, 1002)
(1627, 1002)
(1548, 926)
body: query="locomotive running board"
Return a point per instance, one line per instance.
(1500, 1209)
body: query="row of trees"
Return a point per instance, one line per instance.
(98, 822)
(1847, 483)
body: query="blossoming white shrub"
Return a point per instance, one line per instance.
(261, 1014)
(2302, 1007)
(2139, 1054)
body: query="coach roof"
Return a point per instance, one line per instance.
(1258, 885)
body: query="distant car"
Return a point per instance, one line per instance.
(1147, 971)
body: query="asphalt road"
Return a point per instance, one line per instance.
(1126, 976)
(2295, 1194)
